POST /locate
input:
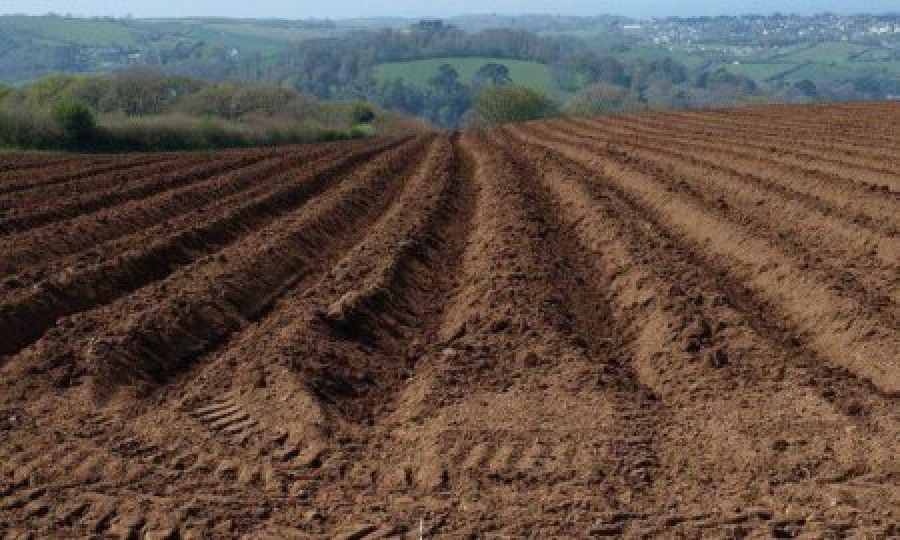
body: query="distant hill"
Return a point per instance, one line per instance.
(35, 46)
(657, 63)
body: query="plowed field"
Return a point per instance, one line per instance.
(656, 325)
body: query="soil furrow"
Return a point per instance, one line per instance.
(35, 179)
(826, 126)
(160, 328)
(849, 256)
(880, 115)
(814, 129)
(394, 266)
(835, 166)
(38, 307)
(839, 113)
(254, 420)
(390, 288)
(632, 327)
(691, 346)
(610, 339)
(839, 329)
(180, 237)
(852, 179)
(859, 208)
(815, 134)
(184, 235)
(11, 164)
(20, 251)
(46, 196)
(868, 131)
(675, 257)
(807, 145)
(517, 374)
(29, 215)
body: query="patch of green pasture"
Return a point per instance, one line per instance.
(844, 71)
(91, 32)
(759, 72)
(200, 31)
(267, 32)
(825, 53)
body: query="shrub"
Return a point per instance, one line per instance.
(24, 129)
(598, 99)
(47, 91)
(75, 119)
(363, 113)
(504, 104)
(140, 110)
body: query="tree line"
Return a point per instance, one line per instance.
(585, 81)
(144, 109)
(343, 68)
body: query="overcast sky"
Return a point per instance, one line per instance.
(434, 8)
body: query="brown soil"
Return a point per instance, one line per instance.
(659, 325)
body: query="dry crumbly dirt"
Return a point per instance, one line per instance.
(677, 325)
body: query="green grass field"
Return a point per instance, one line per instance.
(843, 71)
(200, 31)
(109, 32)
(97, 32)
(268, 32)
(824, 53)
(417, 73)
(880, 54)
(833, 61)
(759, 72)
